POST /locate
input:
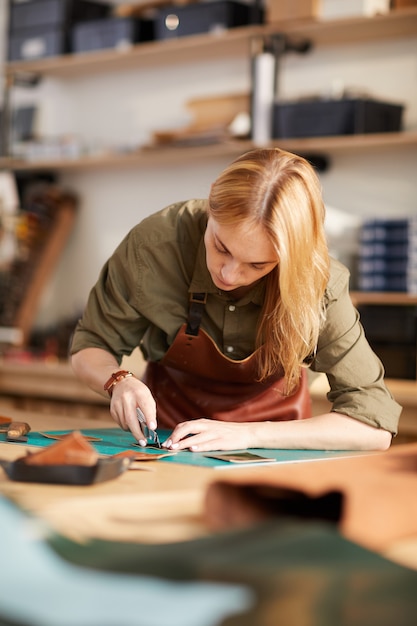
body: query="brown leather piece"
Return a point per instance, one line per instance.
(57, 437)
(195, 379)
(71, 450)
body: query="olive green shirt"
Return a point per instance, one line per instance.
(142, 296)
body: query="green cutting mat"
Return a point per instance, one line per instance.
(114, 440)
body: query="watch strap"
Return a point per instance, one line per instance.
(114, 379)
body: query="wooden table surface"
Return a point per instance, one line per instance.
(156, 503)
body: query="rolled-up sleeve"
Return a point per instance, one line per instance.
(111, 319)
(354, 372)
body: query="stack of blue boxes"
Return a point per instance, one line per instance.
(388, 255)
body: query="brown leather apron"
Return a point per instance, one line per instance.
(194, 379)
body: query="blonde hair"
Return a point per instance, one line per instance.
(281, 191)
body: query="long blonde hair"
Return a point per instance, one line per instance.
(281, 191)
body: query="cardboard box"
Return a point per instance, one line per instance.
(280, 10)
(334, 9)
(319, 118)
(110, 33)
(211, 118)
(205, 17)
(402, 4)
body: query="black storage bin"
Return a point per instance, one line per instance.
(392, 333)
(110, 33)
(37, 43)
(60, 13)
(398, 361)
(319, 118)
(21, 124)
(42, 28)
(204, 17)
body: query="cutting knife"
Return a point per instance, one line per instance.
(150, 435)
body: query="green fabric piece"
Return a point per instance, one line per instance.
(301, 573)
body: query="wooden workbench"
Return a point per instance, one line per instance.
(159, 502)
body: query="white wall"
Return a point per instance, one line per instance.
(125, 107)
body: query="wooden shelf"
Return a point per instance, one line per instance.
(343, 143)
(234, 42)
(384, 298)
(149, 157)
(396, 24)
(143, 157)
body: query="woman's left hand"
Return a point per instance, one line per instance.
(205, 435)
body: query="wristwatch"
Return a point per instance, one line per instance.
(114, 379)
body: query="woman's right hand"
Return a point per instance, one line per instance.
(129, 394)
(94, 366)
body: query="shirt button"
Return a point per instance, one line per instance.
(229, 349)
(232, 307)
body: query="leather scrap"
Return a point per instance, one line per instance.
(144, 456)
(72, 449)
(59, 437)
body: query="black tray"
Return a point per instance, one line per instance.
(104, 469)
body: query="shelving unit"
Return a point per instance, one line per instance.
(379, 297)
(235, 42)
(404, 391)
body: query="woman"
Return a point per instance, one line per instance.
(230, 300)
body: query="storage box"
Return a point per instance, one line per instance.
(42, 28)
(402, 4)
(21, 127)
(280, 10)
(204, 17)
(37, 43)
(318, 118)
(110, 33)
(59, 13)
(334, 9)
(392, 334)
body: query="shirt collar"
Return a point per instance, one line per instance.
(201, 281)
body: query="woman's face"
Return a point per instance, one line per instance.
(238, 256)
